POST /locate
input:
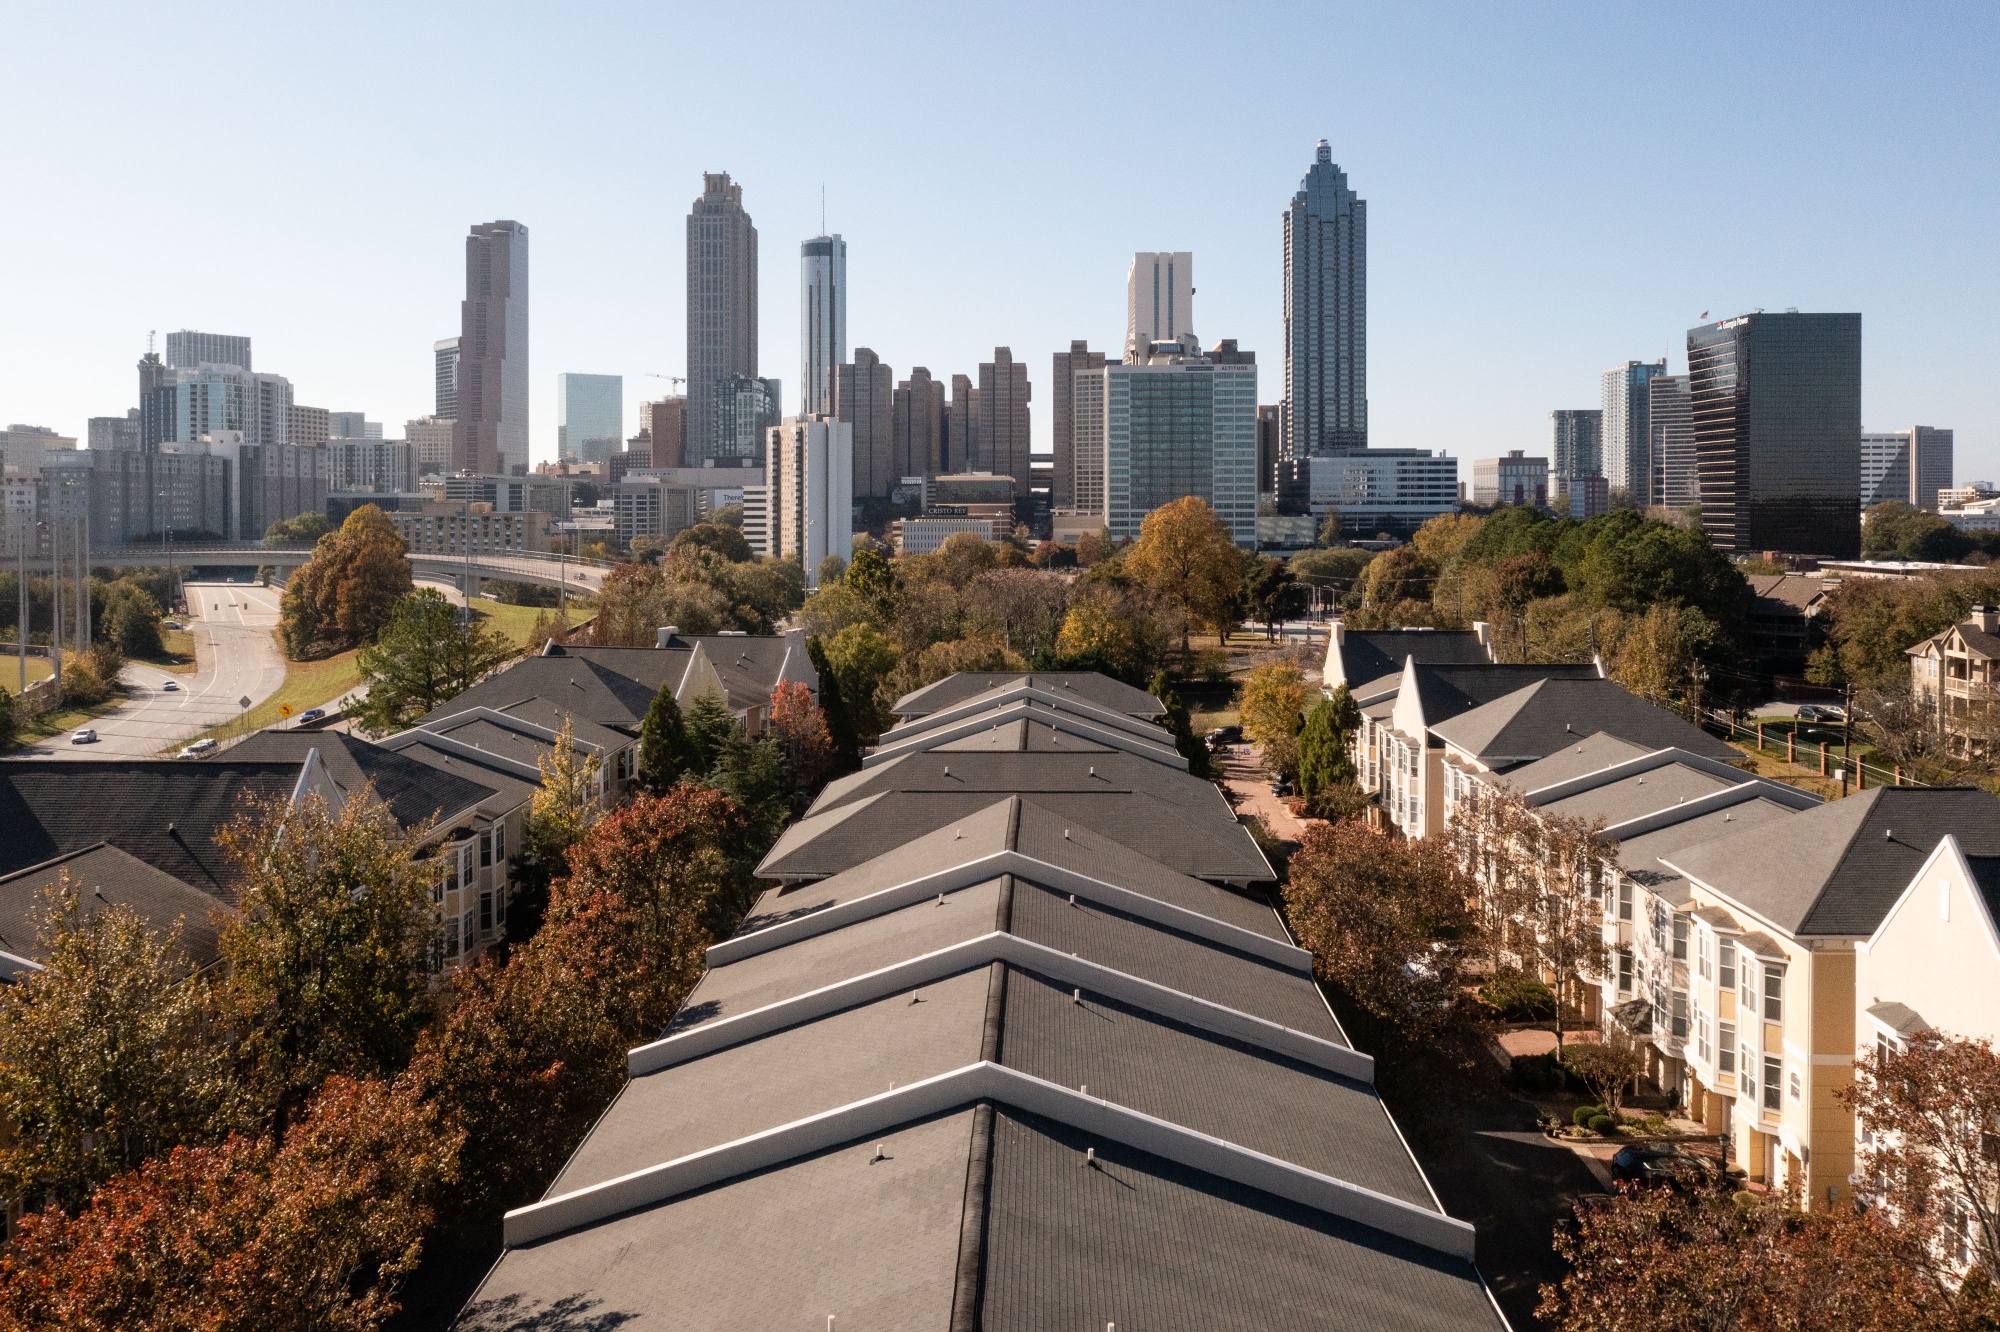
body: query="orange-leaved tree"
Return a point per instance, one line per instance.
(1187, 556)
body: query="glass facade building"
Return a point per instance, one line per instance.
(1627, 424)
(745, 411)
(1776, 402)
(1176, 426)
(590, 417)
(1578, 445)
(1326, 314)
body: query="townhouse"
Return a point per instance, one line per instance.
(1956, 674)
(1023, 1053)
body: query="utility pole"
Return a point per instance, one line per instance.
(21, 591)
(55, 603)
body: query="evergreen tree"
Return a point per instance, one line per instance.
(1191, 746)
(664, 754)
(1324, 761)
(709, 729)
(839, 721)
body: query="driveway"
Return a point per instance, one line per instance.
(1242, 769)
(235, 656)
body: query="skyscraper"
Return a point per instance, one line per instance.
(1159, 300)
(1670, 427)
(1777, 426)
(1062, 408)
(810, 507)
(1930, 465)
(590, 417)
(491, 434)
(1628, 448)
(665, 424)
(1885, 467)
(187, 349)
(1181, 422)
(445, 354)
(721, 314)
(916, 428)
(862, 397)
(822, 322)
(960, 447)
(745, 410)
(1326, 314)
(1270, 446)
(1001, 443)
(1578, 445)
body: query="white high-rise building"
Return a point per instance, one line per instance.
(1159, 300)
(187, 349)
(822, 320)
(1885, 466)
(1627, 441)
(809, 503)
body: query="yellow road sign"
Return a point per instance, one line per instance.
(284, 709)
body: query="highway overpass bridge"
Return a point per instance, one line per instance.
(466, 572)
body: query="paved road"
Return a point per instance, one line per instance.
(235, 656)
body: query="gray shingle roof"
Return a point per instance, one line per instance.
(105, 876)
(1102, 690)
(1448, 691)
(1642, 793)
(1554, 713)
(413, 791)
(1370, 654)
(1593, 753)
(1837, 870)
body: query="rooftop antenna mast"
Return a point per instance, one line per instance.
(149, 340)
(822, 208)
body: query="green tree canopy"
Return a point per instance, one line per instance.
(427, 653)
(664, 753)
(341, 596)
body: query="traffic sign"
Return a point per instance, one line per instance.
(284, 709)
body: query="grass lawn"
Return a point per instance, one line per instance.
(64, 719)
(10, 671)
(308, 684)
(516, 621)
(179, 655)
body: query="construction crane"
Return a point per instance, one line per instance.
(671, 379)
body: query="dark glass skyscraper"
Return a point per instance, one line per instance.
(1326, 314)
(1776, 400)
(491, 431)
(721, 319)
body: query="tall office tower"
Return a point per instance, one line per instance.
(1182, 422)
(810, 506)
(491, 436)
(188, 349)
(961, 428)
(822, 321)
(1579, 445)
(1087, 460)
(1885, 467)
(119, 434)
(1326, 314)
(1930, 465)
(862, 397)
(1270, 447)
(1159, 300)
(590, 417)
(215, 398)
(1062, 409)
(352, 425)
(1000, 444)
(1670, 428)
(445, 354)
(1628, 446)
(1777, 432)
(745, 410)
(916, 426)
(721, 309)
(430, 441)
(152, 407)
(665, 423)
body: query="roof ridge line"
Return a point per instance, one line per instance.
(988, 1081)
(1002, 946)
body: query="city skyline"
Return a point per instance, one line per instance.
(1521, 301)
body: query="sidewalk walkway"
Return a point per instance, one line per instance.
(1249, 786)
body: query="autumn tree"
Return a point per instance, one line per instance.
(1026, 606)
(1186, 556)
(565, 801)
(1109, 628)
(108, 1053)
(326, 963)
(1930, 1119)
(427, 653)
(1272, 709)
(344, 593)
(1698, 1260)
(1607, 1067)
(801, 731)
(1659, 658)
(1387, 920)
(247, 1235)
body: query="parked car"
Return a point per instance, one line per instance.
(84, 736)
(170, 686)
(1282, 787)
(198, 748)
(312, 715)
(171, 624)
(1660, 1163)
(1822, 712)
(1225, 735)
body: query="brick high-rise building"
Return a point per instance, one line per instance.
(665, 424)
(721, 313)
(916, 427)
(491, 431)
(1062, 407)
(1001, 445)
(863, 393)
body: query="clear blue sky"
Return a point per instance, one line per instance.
(1552, 189)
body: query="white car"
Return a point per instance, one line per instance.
(84, 736)
(198, 748)
(170, 686)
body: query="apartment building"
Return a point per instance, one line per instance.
(1956, 673)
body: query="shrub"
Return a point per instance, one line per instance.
(1518, 998)
(1602, 1125)
(1585, 1113)
(1538, 1073)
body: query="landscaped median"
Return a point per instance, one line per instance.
(308, 684)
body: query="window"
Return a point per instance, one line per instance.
(1748, 997)
(1749, 1074)
(1680, 938)
(1624, 900)
(1702, 1046)
(1793, 1084)
(500, 841)
(485, 849)
(500, 905)
(1773, 1070)
(1774, 994)
(485, 912)
(1704, 960)
(1680, 1014)
(1659, 926)
(1624, 971)
(451, 937)
(1726, 1056)
(1725, 977)
(465, 928)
